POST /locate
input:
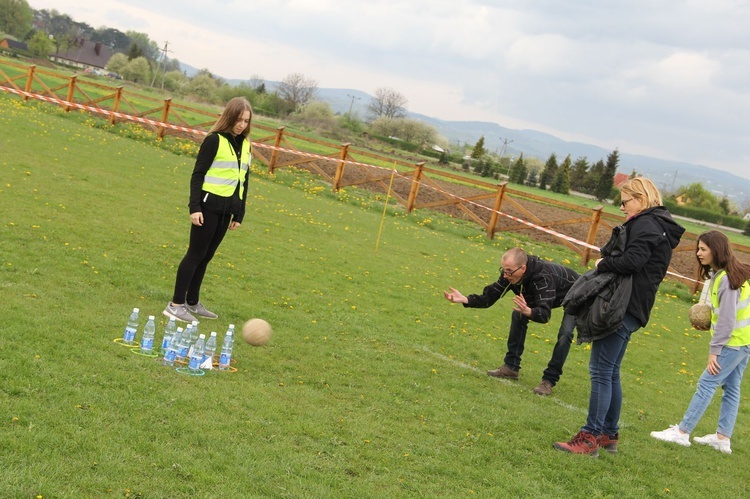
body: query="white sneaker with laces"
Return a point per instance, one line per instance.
(672, 434)
(713, 440)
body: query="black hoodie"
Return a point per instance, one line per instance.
(652, 235)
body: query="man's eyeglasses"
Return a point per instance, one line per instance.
(508, 273)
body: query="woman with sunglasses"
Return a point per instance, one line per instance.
(652, 234)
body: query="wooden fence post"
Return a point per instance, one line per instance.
(164, 118)
(496, 209)
(71, 91)
(275, 153)
(340, 166)
(116, 104)
(29, 81)
(414, 189)
(591, 237)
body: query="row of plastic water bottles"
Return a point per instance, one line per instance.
(181, 345)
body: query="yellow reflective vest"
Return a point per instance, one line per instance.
(225, 174)
(741, 332)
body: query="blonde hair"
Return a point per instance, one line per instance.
(643, 190)
(231, 114)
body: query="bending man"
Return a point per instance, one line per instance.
(538, 286)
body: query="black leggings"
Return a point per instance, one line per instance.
(204, 240)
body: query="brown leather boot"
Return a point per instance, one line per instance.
(503, 371)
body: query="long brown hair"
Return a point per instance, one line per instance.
(232, 112)
(723, 258)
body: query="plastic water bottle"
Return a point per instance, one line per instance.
(183, 343)
(147, 340)
(169, 330)
(170, 354)
(193, 337)
(128, 337)
(195, 360)
(209, 351)
(226, 349)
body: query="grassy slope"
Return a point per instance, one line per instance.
(372, 386)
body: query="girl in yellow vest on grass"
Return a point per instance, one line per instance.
(218, 190)
(729, 348)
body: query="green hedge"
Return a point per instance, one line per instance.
(705, 215)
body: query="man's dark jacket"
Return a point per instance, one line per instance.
(543, 286)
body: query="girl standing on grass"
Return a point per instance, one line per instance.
(218, 189)
(729, 348)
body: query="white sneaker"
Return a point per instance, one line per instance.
(672, 434)
(713, 440)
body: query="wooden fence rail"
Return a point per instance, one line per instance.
(494, 206)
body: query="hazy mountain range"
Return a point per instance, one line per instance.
(668, 175)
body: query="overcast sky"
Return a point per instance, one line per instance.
(663, 78)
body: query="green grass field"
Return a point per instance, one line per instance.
(372, 385)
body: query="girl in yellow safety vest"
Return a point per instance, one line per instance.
(218, 190)
(729, 348)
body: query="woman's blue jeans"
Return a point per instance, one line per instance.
(605, 402)
(733, 362)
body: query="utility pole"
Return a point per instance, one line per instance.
(502, 153)
(352, 97)
(162, 58)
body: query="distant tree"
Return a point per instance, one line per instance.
(578, 175)
(113, 38)
(387, 102)
(40, 45)
(416, 132)
(174, 81)
(117, 62)
(297, 90)
(725, 206)
(137, 70)
(443, 159)
(135, 51)
(696, 195)
(592, 179)
(561, 181)
(148, 48)
(607, 179)
(532, 178)
(204, 87)
(257, 82)
(15, 17)
(316, 114)
(747, 229)
(479, 150)
(518, 173)
(243, 89)
(550, 168)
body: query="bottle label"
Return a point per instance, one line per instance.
(165, 343)
(170, 356)
(194, 362)
(129, 334)
(183, 351)
(147, 344)
(224, 359)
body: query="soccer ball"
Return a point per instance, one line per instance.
(256, 332)
(700, 316)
